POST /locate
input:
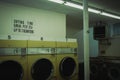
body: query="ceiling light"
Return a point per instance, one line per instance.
(110, 15)
(81, 8)
(57, 1)
(94, 11)
(73, 5)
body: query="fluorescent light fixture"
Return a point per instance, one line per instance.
(73, 5)
(110, 15)
(94, 11)
(81, 8)
(57, 1)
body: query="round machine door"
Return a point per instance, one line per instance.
(67, 67)
(42, 70)
(94, 71)
(11, 70)
(114, 72)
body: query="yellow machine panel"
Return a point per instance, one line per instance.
(37, 44)
(13, 43)
(62, 44)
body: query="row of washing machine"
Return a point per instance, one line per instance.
(102, 68)
(38, 60)
(105, 68)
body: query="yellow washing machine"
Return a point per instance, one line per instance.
(67, 61)
(41, 60)
(13, 60)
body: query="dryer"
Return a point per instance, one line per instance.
(67, 61)
(98, 69)
(41, 60)
(13, 60)
(113, 69)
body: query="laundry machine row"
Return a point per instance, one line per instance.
(113, 67)
(61, 60)
(104, 69)
(38, 60)
(27, 60)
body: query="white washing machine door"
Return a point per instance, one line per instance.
(11, 70)
(67, 67)
(42, 69)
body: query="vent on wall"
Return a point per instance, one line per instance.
(106, 31)
(101, 32)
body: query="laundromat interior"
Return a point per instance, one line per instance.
(59, 40)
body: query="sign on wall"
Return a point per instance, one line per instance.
(23, 26)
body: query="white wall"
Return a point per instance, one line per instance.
(93, 45)
(46, 24)
(113, 49)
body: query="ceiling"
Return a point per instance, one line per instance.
(75, 16)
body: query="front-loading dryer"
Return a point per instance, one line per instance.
(13, 60)
(41, 60)
(98, 69)
(113, 69)
(67, 61)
